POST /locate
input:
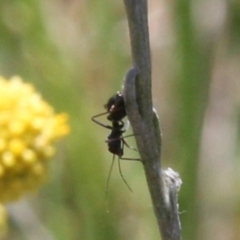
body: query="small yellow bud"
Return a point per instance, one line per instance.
(2, 145)
(16, 146)
(16, 127)
(8, 159)
(29, 156)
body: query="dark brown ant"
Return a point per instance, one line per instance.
(116, 112)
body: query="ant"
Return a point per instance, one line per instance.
(116, 112)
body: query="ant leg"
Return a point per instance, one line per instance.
(125, 143)
(131, 135)
(120, 172)
(99, 123)
(109, 175)
(130, 159)
(108, 179)
(118, 138)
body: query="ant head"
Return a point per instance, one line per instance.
(113, 101)
(116, 107)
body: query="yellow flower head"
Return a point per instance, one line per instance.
(29, 128)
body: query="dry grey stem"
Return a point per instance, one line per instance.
(163, 185)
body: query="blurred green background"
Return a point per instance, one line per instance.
(76, 54)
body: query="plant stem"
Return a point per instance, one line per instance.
(163, 185)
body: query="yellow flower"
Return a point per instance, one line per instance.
(29, 129)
